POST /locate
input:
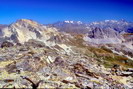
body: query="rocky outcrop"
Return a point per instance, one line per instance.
(35, 43)
(24, 30)
(6, 44)
(103, 36)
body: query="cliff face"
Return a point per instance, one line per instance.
(22, 31)
(104, 36)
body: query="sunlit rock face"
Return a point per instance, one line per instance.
(24, 30)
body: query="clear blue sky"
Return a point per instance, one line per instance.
(49, 11)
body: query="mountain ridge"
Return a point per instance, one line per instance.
(108, 29)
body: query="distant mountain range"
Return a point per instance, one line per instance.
(2, 26)
(108, 31)
(80, 27)
(102, 32)
(120, 26)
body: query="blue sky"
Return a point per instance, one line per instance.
(49, 11)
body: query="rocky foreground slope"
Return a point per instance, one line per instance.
(59, 60)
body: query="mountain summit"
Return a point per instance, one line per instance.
(23, 30)
(26, 22)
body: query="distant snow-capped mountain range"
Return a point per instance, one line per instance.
(76, 26)
(108, 31)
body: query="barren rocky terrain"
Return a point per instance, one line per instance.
(34, 55)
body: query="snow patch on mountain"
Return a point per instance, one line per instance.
(69, 21)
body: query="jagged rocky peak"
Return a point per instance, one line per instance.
(23, 30)
(26, 23)
(103, 33)
(103, 36)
